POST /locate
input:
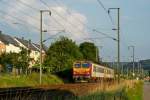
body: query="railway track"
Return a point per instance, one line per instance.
(25, 93)
(49, 92)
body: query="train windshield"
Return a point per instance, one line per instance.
(86, 65)
(77, 65)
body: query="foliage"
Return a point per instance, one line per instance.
(89, 51)
(7, 80)
(17, 60)
(62, 54)
(135, 93)
(114, 95)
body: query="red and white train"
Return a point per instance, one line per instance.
(89, 71)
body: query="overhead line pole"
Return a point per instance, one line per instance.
(41, 40)
(133, 48)
(41, 36)
(118, 39)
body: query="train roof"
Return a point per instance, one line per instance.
(93, 63)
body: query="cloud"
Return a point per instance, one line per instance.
(62, 17)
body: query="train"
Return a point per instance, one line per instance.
(91, 72)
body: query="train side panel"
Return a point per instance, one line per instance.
(97, 71)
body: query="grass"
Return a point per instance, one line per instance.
(114, 95)
(8, 80)
(136, 92)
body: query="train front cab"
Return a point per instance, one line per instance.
(81, 71)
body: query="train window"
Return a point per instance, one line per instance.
(98, 69)
(77, 65)
(85, 65)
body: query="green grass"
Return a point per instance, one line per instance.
(8, 80)
(135, 93)
(114, 95)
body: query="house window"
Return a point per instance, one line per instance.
(36, 52)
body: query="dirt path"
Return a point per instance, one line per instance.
(146, 91)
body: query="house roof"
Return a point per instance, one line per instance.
(27, 44)
(38, 46)
(6, 39)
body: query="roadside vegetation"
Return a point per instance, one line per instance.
(131, 92)
(7, 80)
(136, 92)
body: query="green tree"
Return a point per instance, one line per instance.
(22, 60)
(89, 51)
(62, 54)
(17, 60)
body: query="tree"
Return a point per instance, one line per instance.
(62, 54)
(17, 60)
(22, 60)
(89, 51)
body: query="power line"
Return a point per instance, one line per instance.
(105, 34)
(16, 18)
(69, 12)
(33, 17)
(26, 14)
(101, 4)
(27, 5)
(61, 16)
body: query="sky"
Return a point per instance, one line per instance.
(76, 19)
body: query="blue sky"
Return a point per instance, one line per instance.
(78, 18)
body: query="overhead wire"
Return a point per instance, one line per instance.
(73, 25)
(27, 5)
(102, 5)
(69, 12)
(99, 1)
(84, 23)
(33, 8)
(26, 14)
(16, 18)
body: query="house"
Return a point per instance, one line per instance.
(2, 47)
(8, 44)
(14, 44)
(33, 48)
(34, 51)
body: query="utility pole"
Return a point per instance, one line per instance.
(118, 39)
(97, 53)
(28, 55)
(133, 48)
(98, 48)
(127, 73)
(41, 40)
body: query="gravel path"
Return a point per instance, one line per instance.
(146, 91)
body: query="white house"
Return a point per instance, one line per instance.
(34, 52)
(13, 44)
(8, 44)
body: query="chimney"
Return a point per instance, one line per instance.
(22, 38)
